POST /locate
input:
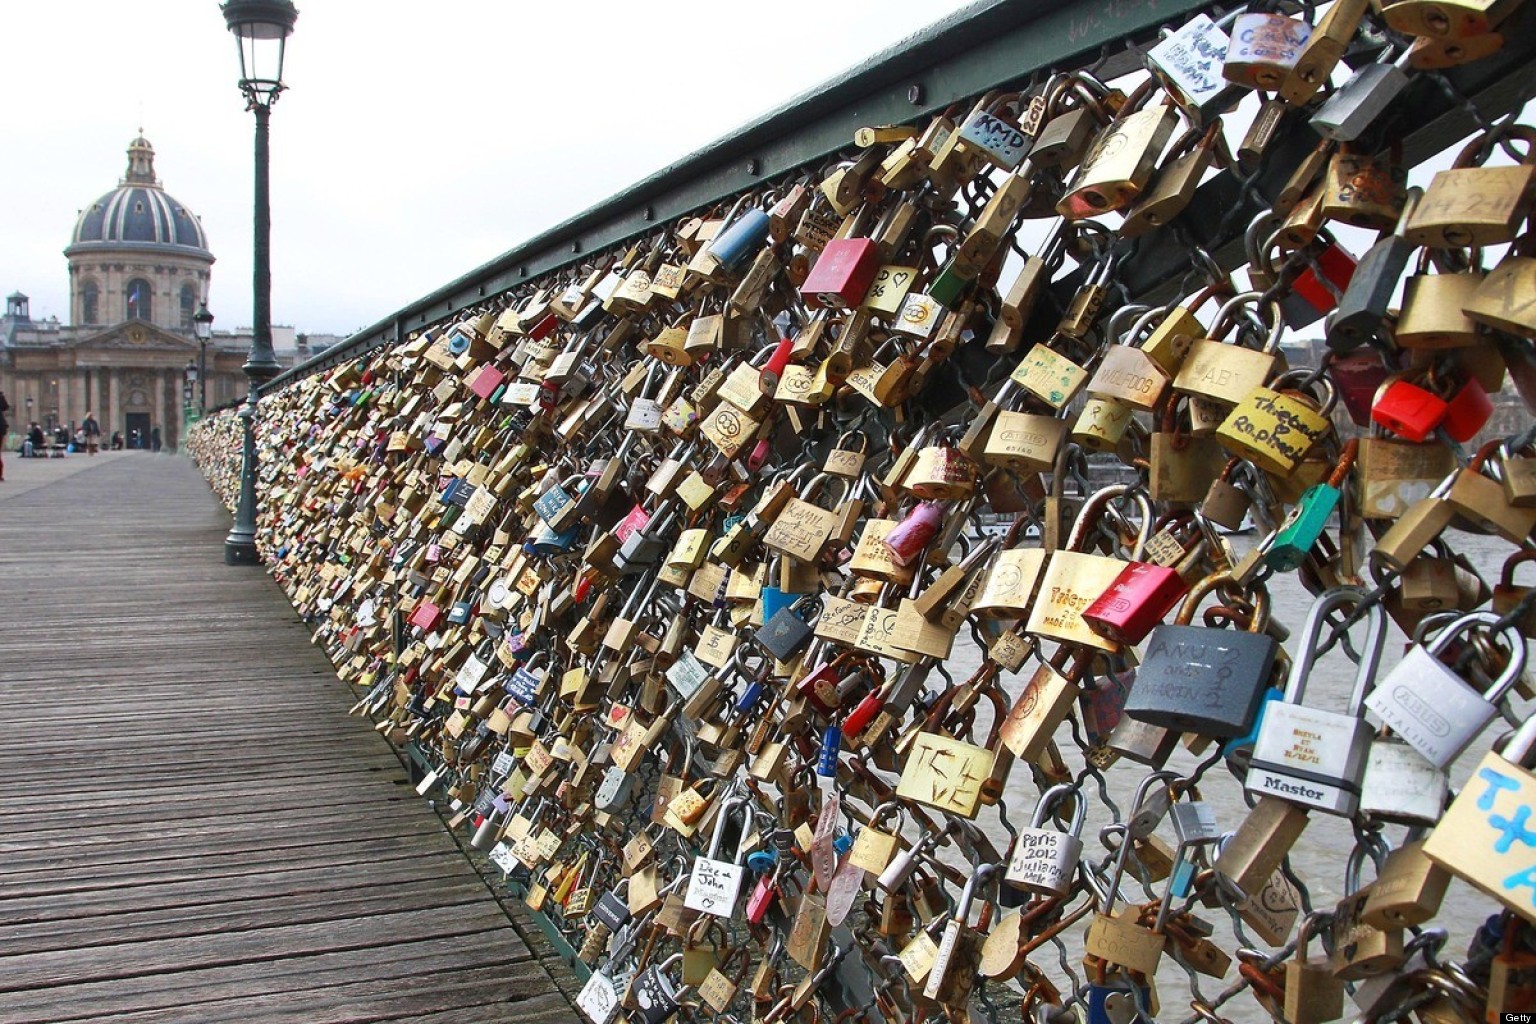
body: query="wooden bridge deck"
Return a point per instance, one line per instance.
(191, 827)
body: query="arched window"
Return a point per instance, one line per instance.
(188, 305)
(89, 295)
(138, 295)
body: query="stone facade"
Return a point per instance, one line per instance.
(139, 267)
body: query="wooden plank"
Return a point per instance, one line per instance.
(186, 989)
(214, 916)
(193, 827)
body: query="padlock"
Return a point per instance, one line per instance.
(1227, 502)
(1479, 502)
(1470, 205)
(1186, 63)
(1455, 19)
(1363, 306)
(1502, 299)
(1138, 599)
(1251, 857)
(1306, 755)
(1179, 175)
(1264, 50)
(1024, 442)
(1508, 595)
(1074, 577)
(1224, 372)
(842, 274)
(1044, 860)
(1278, 426)
(1432, 316)
(1483, 838)
(1008, 584)
(1363, 190)
(1313, 994)
(1321, 53)
(954, 967)
(1120, 162)
(1292, 541)
(1408, 888)
(1408, 410)
(1203, 680)
(1433, 708)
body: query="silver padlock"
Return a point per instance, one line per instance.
(1433, 708)
(1401, 786)
(1356, 104)
(615, 790)
(1045, 860)
(1306, 755)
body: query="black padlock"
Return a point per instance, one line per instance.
(785, 635)
(1364, 303)
(1201, 679)
(655, 995)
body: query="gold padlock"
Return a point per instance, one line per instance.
(1471, 205)
(1432, 316)
(1121, 160)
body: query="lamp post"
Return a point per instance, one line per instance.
(202, 326)
(261, 29)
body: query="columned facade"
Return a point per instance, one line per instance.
(139, 267)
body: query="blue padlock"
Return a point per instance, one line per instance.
(742, 239)
(1239, 751)
(831, 743)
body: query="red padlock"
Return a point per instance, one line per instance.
(842, 274)
(908, 539)
(761, 899)
(1467, 412)
(863, 713)
(1139, 598)
(768, 378)
(1338, 267)
(544, 327)
(1408, 410)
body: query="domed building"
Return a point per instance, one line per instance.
(139, 269)
(138, 253)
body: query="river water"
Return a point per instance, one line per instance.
(1319, 856)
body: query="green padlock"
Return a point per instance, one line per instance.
(1288, 547)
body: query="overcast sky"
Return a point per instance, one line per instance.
(416, 141)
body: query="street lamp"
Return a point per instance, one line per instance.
(202, 326)
(261, 29)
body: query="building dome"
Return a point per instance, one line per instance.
(139, 213)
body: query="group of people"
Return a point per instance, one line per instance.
(87, 437)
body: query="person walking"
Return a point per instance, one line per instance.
(5, 429)
(92, 431)
(154, 439)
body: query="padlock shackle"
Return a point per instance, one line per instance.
(1517, 653)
